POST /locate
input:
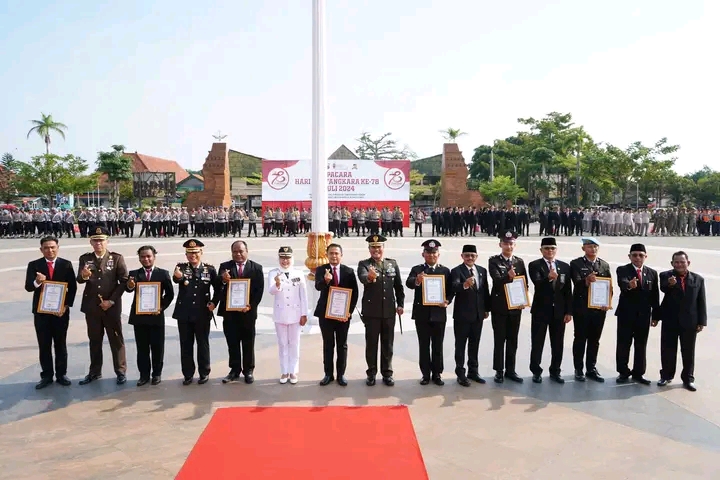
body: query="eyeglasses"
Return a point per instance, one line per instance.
(549, 248)
(637, 254)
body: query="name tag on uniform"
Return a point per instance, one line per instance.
(295, 280)
(110, 263)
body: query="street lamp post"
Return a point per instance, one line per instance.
(515, 167)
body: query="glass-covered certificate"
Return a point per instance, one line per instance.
(433, 290)
(52, 297)
(238, 294)
(338, 304)
(600, 293)
(147, 298)
(516, 293)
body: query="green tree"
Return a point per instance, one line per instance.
(9, 163)
(45, 127)
(117, 167)
(681, 189)
(382, 148)
(451, 134)
(48, 174)
(707, 191)
(502, 188)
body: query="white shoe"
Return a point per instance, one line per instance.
(293, 380)
(283, 380)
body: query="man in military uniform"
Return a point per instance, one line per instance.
(104, 275)
(383, 298)
(430, 319)
(503, 269)
(193, 310)
(588, 322)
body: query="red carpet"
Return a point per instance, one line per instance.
(297, 443)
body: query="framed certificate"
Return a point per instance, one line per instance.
(516, 293)
(52, 297)
(433, 290)
(338, 304)
(600, 293)
(147, 298)
(238, 294)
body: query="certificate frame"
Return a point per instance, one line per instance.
(595, 306)
(526, 303)
(433, 278)
(147, 285)
(332, 293)
(229, 289)
(45, 285)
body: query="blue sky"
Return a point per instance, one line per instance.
(161, 76)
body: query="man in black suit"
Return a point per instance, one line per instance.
(334, 331)
(51, 329)
(430, 320)
(472, 305)
(684, 314)
(149, 327)
(639, 303)
(239, 326)
(551, 308)
(589, 322)
(503, 269)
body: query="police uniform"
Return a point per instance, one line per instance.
(381, 298)
(193, 313)
(290, 303)
(430, 320)
(108, 275)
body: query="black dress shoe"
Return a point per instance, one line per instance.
(44, 382)
(249, 379)
(438, 381)
(64, 381)
(514, 377)
(388, 381)
(155, 380)
(342, 381)
(498, 377)
(326, 380)
(370, 381)
(121, 379)
(537, 379)
(476, 378)
(689, 386)
(187, 380)
(231, 377)
(89, 378)
(663, 382)
(425, 381)
(579, 376)
(594, 375)
(641, 380)
(463, 381)
(142, 381)
(557, 378)
(203, 380)
(622, 379)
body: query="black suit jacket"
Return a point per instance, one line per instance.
(498, 269)
(579, 269)
(347, 280)
(167, 293)
(64, 272)
(428, 313)
(551, 300)
(472, 304)
(251, 270)
(684, 308)
(642, 301)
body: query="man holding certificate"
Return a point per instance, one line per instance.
(592, 297)
(508, 299)
(433, 293)
(51, 279)
(152, 294)
(338, 296)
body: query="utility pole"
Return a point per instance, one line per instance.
(492, 165)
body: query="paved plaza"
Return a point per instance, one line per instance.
(509, 431)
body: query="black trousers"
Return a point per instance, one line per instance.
(150, 339)
(418, 226)
(382, 329)
(588, 329)
(505, 334)
(670, 333)
(430, 342)
(191, 333)
(632, 329)
(252, 227)
(467, 334)
(539, 327)
(334, 334)
(240, 338)
(51, 332)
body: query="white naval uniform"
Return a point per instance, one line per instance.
(290, 303)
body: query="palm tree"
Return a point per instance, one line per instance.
(44, 127)
(451, 134)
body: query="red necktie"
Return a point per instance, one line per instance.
(336, 280)
(51, 270)
(639, 274)
(148, 273)
(682, 283)
(240, 269)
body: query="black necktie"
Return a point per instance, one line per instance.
(287, 274)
